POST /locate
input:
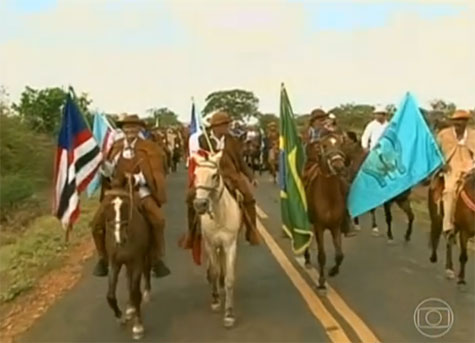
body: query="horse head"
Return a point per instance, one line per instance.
(118, 214)
(209, 184)
(332, 157)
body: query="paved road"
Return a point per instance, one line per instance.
(373, 299)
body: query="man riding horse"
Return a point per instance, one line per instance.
(318, 129)
(236, 174)
(140, 160)
(458, 146)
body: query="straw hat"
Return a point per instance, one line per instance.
(460, 114)
(130, 120)
(219, 118)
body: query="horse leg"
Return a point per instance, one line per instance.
(147, 270)
(230, 262)
(306, 255)
(321, 259)
(213, 275)
(130, 309)
(374, 226)
(111, 292)
(449, 267)
(356, 221)
(389, 218)
(405, 205)
(463, 257)
(136, 300)
(336, 235)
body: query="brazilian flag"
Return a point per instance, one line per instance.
(292, 194)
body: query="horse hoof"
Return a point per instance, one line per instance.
(215, 306)
(390, 241)
(129, 313)
(407, 239)
(137, 331)
(122, 320)
(229, 322)
(334, 271)
(146, 296)
(375, 232)
(461, 282)
(357, 228)
(308, 265)
(433, 259)
(449, 274)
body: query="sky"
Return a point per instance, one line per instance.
(133, 55)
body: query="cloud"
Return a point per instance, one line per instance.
(131, 58)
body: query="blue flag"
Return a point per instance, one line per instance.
(405, 155)
(103, 133)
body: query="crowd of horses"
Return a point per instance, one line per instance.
(220, 218)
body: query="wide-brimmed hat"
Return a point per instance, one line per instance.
(272, 124)
(380, 109)
(132, 119)
(317, 113)
(460, 114)
(219, 118)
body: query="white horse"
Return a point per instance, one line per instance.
(221, 220)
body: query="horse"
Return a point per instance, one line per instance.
(127, 243)
(220, 219)
(252, 154)
(273, 160)
(356, 158)
(464, 222)
(326, 199)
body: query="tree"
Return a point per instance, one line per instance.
(164, 117)
(353, 117)
(265, 119)
(238, 103)
(391, 108)
(447, 108)
(5, 108)
(41, 109)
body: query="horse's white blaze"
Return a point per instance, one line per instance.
(117, 204)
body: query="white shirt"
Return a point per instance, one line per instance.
(372, 133)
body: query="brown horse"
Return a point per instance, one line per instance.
(326, 198)
(127, 243)
(464, 221)
(273, 160)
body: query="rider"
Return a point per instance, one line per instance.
(458, 145)
(234, 170)
(375, 128)
(141, 159)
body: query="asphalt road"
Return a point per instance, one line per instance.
(372, 299)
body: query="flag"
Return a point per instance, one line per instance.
(405, 155)
(104, 135)
(293, 202)
(193, 142)
(77, 160)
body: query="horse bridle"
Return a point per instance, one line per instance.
(213, 189)
(331, 155)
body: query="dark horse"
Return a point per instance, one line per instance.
(464, 222)
(127, 243)
(326, 198)
(356, 158)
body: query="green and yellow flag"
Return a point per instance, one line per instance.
(293, 203)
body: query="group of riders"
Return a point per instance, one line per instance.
(144, 161)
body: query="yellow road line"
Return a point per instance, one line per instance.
(332, 327)
(260, 213)
(361, 329)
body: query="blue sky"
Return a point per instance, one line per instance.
(133, 55)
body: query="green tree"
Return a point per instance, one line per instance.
(265, 119)
(447, 108)
(5, 108)
(41, 109)
(163, 116)
(238, 103)
(353, 117)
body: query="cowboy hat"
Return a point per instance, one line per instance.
(331, 116)
(380, 109)
(132, 119)
(460, 114)
(219, 118)
(272, 124)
